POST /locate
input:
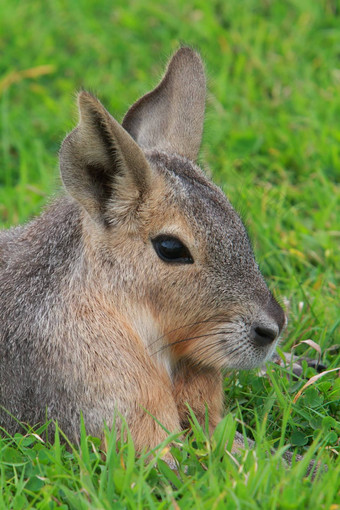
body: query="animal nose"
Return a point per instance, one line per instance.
(263, 334)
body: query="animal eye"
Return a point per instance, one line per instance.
(170, 249)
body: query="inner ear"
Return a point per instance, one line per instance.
(101, 182)
(99, 161)
(171, 116)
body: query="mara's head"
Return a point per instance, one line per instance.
(172, 250)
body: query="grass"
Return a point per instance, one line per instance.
(35, 475)
(272, 141)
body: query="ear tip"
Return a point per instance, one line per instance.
(84, 97)
(88, 105)
(188, 53)
(188, 58)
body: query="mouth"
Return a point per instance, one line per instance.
(225, 352)
(248, 356)
(222, 344)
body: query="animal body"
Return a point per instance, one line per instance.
(135, 288)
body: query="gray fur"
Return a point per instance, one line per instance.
(91, 319)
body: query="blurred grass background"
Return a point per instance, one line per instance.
(271, 141)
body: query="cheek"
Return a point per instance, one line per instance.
(176, 288)
(180, 309)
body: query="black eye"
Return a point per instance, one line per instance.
(171, 249)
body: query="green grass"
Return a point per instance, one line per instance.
(272, 141)
(36, 475)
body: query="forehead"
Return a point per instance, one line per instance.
(206, 207)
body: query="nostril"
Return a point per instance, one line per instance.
(263, 335)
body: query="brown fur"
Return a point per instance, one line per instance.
(92, 320)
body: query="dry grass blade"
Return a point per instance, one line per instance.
(311, 343)
(17, 76)
(312, 380)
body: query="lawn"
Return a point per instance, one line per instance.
(272, 142)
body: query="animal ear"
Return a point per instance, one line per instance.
(171, 116)
(99, 161)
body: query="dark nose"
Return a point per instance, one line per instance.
(264, 334)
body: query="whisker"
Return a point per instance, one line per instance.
(182, 340)
(222, 353)
(191, 325)
(224, 331)
(222, 345)
(238, 352)
(211, 349)
(208, 349)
